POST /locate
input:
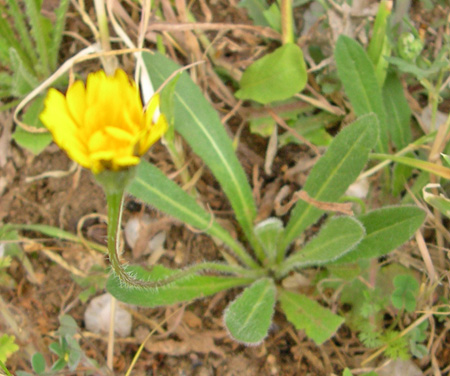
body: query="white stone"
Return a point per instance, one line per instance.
(358, 189)
(400, 367)
(132, 231)
(97, 317)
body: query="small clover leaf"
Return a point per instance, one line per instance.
(7, 347)
(404, 295)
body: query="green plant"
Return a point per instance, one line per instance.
(273, 255)
(394, 293)
(347, 372)
(29, 47)
(7, 347)
(67, 350)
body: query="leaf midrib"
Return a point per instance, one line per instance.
(324, 186)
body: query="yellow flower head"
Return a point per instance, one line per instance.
(103, 126)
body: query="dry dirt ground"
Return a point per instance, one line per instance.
(193, 341)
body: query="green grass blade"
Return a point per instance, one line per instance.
(357, 74)
(38, 32)
(156, 189)
(333, 173)
(57, 233)
(22, 30)
(57, 32)
(200, 126)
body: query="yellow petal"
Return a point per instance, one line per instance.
(126, 161)
(77, 155)
(76, 101)
(119, 134)
(56, 117)
(98, 142)
(153, 105)
(93, 85)
(153, 134)
(103, 155)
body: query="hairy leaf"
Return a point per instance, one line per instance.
(318, 322)
(200, 126)
(249, 316)
(156, 189)
(357, 74)
(182, 290)
(398, 111)
(334, 172)
(386, 229)
(339, 236)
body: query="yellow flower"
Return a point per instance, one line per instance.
(103, 126)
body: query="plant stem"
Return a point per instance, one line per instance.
(287, 23)
(109, 62)
(114, 200)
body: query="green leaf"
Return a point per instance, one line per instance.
(183, 290)
(440, 202)
(446, 159)
(38, 31)
(23, 79)
(313, 128)
(338, 237)
(75, 353)
(57, 32)
(347, 372)
(34, 142)
(255, 10)
(68, 326)
(269, 233)
(386, 229)
(56, 348)
(273, 17)
(249, 316)
(200, 126)
(156, 189)
(398, 112)
(318, 322)
(167, 108)
(379, 45)
(7, 347)
(59, 365)
(378, 32)
(413, 69)
(275, 77)
(9, 41)
(38, 363)
(357, 74)
(22, 29)
(406, 290)
(7, 373)
(400, 175)
(334, 172)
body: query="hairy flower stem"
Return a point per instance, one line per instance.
(114, 198)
